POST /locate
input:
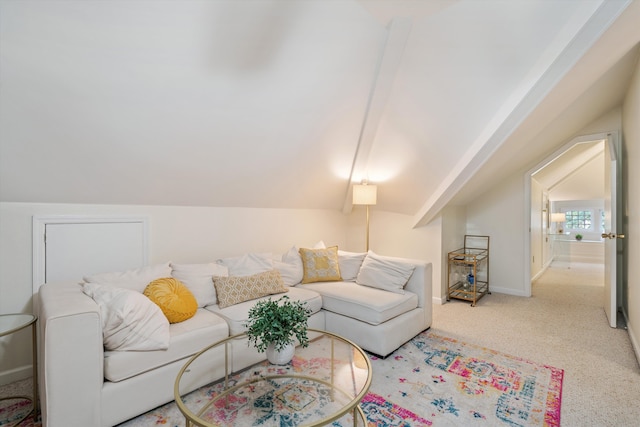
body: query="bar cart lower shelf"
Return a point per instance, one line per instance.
(468, 270)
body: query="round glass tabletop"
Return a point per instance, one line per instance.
(323, 383)
(10, 323)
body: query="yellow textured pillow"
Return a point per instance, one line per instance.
(320, 265)
(236, 289)
(174, 299)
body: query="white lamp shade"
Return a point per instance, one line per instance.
(558, 217)
(365, 194)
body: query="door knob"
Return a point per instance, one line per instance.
(612, 236)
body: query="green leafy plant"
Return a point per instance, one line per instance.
(578, 236)
(277, 322)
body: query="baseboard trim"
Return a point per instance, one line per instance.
(16, 374)
(634, 344)
(542, 270)
(508, 291)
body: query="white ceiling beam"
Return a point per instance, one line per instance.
(517, 109)
(397, 35)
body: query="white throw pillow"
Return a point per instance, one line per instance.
(290, 267)
(130, 320)
(384, 273)
(136, 280)
(350, 263)
(199, 279)
(291, 274)
(248, 264)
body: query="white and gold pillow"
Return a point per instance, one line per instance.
(320, 265)
(236, 289)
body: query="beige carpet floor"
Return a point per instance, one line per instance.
(563, 325)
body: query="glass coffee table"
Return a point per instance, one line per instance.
(9, 324)
(323, 383)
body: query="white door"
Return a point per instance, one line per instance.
(611, 167)
(68, 248)
(76, 250)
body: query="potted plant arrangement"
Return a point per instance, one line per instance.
(273, 326)
(578, 237)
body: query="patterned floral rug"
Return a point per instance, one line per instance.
(429, 381)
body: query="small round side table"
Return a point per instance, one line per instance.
(10, 323)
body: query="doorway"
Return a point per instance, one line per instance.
(571, 182)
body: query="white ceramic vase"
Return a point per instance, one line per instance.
(281, 357)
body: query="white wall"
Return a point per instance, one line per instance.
(454, 227)
(202, 234)
(179, 234)
(631, 201)
(499, 214)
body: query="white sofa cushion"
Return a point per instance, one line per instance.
(290, 267)
(248, 264)
(187, 338)
(236, 315)
(385, 273)
(130, 320)
(370, 305)
(199, 279)
(136, 280)
(350, 263)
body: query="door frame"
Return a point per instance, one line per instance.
(40, 222)
(613, 135)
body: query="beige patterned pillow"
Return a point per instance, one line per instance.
(320, 265)
(236, 289)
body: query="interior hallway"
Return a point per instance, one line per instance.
(563, 325)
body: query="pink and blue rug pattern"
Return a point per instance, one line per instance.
(430, 381)
(448, 382)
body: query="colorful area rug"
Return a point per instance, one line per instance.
(430, 381)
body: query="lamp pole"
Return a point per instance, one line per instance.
(367, 245)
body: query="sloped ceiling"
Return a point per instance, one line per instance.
(575, 174)
(284, 104)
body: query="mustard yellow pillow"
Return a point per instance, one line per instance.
(174, 299)
(236, 289)
(320, 265)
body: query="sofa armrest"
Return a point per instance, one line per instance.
(71, 356)
(420, 282)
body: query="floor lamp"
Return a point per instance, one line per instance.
(365, 194)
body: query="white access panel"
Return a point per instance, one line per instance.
(68, 248)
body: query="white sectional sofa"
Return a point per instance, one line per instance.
(83, 384)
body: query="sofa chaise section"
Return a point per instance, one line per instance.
(378, 321)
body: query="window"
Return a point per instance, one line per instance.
(578, 220)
